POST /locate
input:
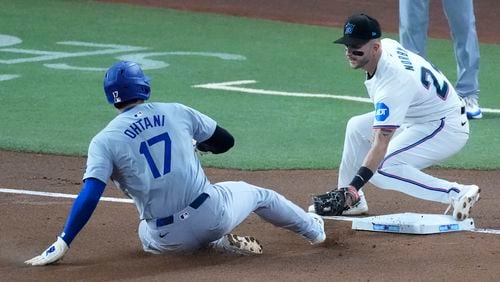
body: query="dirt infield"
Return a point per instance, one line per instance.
(108, 247)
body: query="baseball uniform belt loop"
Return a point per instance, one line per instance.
(195, 204)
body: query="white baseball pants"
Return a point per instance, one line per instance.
(412, 148)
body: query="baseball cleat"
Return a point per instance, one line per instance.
(472, 108)
(463, 205)
(320, 238)
(359, 208)
(241, 245)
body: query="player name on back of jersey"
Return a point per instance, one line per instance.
(144, 123)
(405, 60)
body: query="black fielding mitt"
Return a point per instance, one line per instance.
(335, 202)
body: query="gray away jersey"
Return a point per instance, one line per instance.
(148, 153)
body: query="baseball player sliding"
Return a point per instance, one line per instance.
(147, 151)
(419, 120)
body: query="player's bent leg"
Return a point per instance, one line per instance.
(412, 181)
(416, 148)
(283, 213)
(188, 230)
(243, 198)
(357, 143)
(173, 239)
(321, 237)
(146, 240)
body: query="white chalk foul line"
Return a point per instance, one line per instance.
(232, 86)
(59, 195)
(229, 86)
(129, 201)
(485, 230)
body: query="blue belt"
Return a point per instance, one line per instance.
(170, 219)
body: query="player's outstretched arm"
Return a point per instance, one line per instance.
(82, 210)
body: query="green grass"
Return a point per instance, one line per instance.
(58, 111)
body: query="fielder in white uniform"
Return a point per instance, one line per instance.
(419, 120)
(147, 151)
(413, 25)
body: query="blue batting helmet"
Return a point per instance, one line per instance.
(125, 81)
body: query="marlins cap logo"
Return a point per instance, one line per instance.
(116, 98)
(349, 28)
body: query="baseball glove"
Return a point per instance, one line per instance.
(335, 202)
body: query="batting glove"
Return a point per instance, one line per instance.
(51, 255)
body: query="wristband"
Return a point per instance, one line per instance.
(362, 176)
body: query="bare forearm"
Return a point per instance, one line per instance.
(381, 138)
(375, 157)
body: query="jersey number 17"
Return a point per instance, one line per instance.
(144, 150)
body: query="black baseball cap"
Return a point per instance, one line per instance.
(359, 29)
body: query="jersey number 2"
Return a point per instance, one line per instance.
(144, 149)
(425, 74)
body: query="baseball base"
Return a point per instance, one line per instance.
(409, 223)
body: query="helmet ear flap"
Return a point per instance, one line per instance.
(147, 90)
(125, 81)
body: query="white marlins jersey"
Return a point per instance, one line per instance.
(408, 89)
(148, 152)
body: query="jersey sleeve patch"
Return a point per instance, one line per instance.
(382, 112)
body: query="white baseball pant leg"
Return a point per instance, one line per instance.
(241, 199)
(412, 149)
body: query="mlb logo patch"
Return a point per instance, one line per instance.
(381, 112)
(184, 215)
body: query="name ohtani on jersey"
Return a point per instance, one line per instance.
(142, 124)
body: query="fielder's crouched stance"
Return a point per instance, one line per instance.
(419, 120)
(147, 150)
